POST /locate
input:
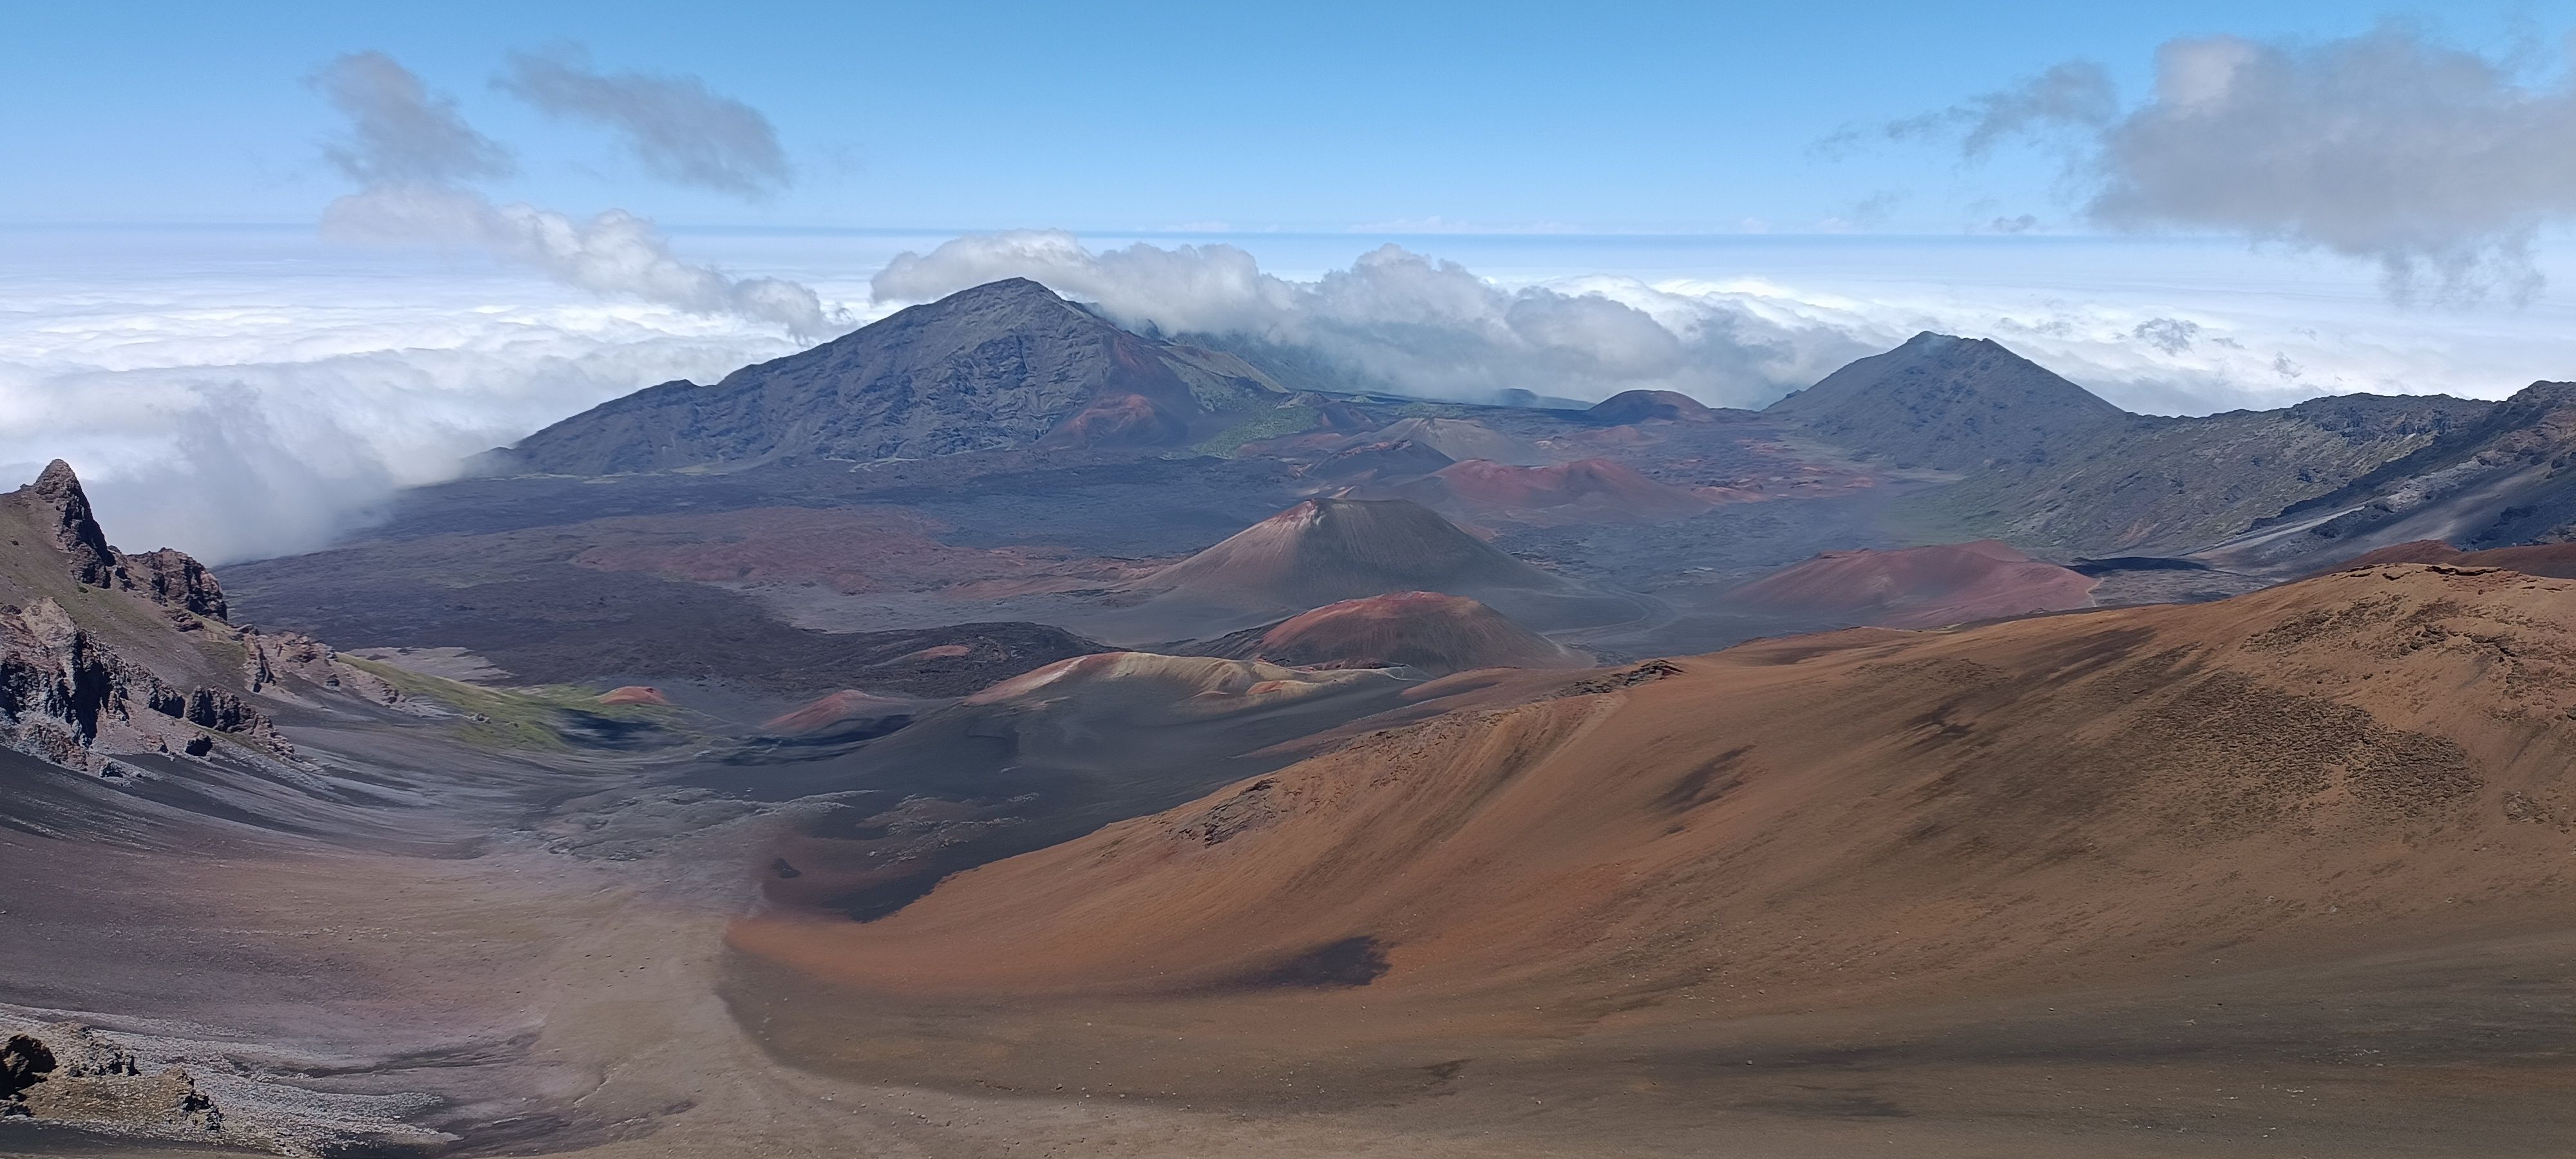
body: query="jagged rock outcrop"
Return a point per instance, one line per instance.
(59, 509)
(271, 658)
(75, 531)
(105, 654)
(69, 698)
(67, 1074)
(173, 578)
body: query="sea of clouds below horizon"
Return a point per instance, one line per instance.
(254, 391)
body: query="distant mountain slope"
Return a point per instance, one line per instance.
(1003, 365)
(2162, 485)
(2050, 467)
(1951, 403)
(2506, 475)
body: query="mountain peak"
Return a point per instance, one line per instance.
(1941, 400)
(1001, 366)
(55, 507)
(62, 509)
(57, 482)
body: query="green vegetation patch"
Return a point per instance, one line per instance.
(530, 717)
(1268, 424)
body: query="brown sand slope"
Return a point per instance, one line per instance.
(1917, 587)
(2556, 560)
(2366, 760)
(1439, 634)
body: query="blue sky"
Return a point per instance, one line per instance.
(1141, 117)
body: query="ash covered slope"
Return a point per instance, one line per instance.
(2329, 768)
(1003, 365)
(104, 653)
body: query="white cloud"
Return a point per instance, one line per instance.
(1416, 323)
(614, 253)
(677, 128)
(399, 131)
(417, 158)
(2439, 166)
(239, 419)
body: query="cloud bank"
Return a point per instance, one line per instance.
(1412, 323)
(417, 158)
(239, 420)
(676, 128)
(2438, 165)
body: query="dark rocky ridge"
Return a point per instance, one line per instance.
(1003, 365)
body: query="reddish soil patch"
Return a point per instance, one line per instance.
(834, 708)
(1325, 550)
(634, 694)
(1917, 587)
(1437, 633)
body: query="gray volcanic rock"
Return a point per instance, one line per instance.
(175, 579)
(68, 697)
(1951, 403)
(66, 1074)
(998, 366)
